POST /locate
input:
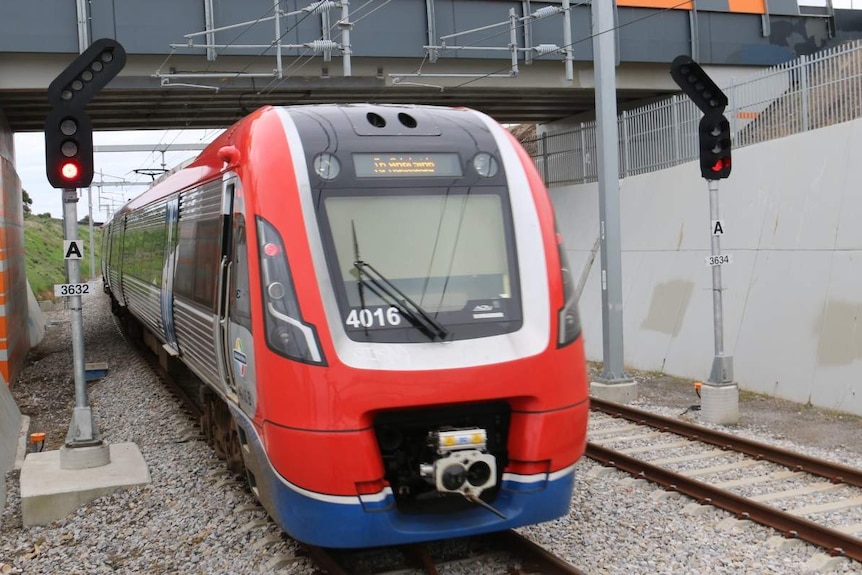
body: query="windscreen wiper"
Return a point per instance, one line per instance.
(389, 292)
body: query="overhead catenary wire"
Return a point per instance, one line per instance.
(305, 59)
(236, 38)
(587, 38)
(547, 52)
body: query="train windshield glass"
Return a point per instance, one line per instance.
(423, 266)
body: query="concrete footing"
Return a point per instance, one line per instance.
(622, 392)
(720, 403)
(49, 492)
(85, 457)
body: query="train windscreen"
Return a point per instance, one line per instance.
(423, 264)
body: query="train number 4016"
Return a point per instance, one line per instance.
(378, 317)
(64, 290)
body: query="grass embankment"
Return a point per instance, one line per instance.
(43, 252)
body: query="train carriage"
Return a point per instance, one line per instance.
(377, 305)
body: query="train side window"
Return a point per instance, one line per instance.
(184, 280)
(198, 261)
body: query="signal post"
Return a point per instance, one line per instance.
(69, 166)
(54, 483)
(720, 395)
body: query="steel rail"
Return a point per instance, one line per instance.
(534, 557)
(835, 472)
(324, 559)
(836, 542)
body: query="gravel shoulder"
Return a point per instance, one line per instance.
(806, 426)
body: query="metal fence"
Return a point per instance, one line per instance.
(804, 94)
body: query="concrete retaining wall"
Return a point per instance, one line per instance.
(792, 212)
(10, 427)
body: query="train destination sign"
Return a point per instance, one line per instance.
(406, 165)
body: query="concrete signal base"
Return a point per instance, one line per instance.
(50, 492)
(624, 391)
(719, 403)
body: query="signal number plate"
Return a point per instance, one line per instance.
(66, 290)
(719, 260)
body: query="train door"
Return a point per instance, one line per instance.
(171, 219)
(118, 235)
(235, 337)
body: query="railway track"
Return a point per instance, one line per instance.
(761, 470)
(519, 555)
(509, 551)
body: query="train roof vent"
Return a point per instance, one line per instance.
(376, 120)
(389, 121)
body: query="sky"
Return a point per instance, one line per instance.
(110, 167)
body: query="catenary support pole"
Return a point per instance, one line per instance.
(613, 383)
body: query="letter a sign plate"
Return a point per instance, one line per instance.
(72, 250)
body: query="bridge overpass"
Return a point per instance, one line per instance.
(204, 64)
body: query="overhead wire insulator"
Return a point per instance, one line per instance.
(320, 6)
(321, 45)
(543, 49)
(545, 12)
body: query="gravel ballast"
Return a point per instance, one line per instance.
(195, 518)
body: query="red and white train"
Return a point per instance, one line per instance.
(377, 305)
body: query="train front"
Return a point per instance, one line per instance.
(424, 371)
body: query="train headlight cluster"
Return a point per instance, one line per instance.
(462, 466)
(570, 321)
(286, 331)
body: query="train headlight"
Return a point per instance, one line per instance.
(326, 166)
(275, 290)
(462, 464)
(467, 472)
(485, 165)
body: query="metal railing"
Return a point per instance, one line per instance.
(804, 94)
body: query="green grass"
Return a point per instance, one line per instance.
(43, 249)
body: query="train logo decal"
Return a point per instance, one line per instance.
(239, 358)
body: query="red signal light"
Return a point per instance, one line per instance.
(69, 170)
(720, 164)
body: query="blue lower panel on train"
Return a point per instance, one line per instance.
(372, 521)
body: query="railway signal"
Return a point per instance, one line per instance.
(714, 137)
(721, 396)
(68, 131)
(69, 148)
(697, 85)
(69, 165)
